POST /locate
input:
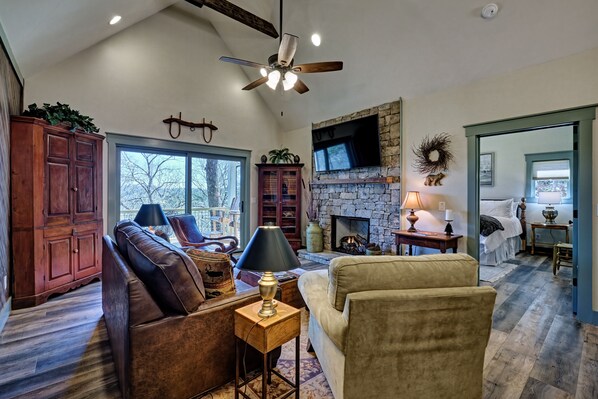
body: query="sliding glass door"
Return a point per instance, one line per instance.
(208, 183)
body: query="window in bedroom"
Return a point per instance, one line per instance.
(549, 172)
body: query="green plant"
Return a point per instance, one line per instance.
(282, 155)
(61, 113)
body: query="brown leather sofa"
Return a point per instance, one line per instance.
(167, 340)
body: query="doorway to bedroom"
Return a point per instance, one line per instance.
(543, 173)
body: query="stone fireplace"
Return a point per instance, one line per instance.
(349, 234)
(372, 193)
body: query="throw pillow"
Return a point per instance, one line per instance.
(216, 271)
(497, 208)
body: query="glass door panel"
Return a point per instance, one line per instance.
(215, 196)
(269, 187)
(289, 187)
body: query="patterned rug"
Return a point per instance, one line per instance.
(313, 383)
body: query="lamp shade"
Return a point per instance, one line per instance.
(412, 201)
(268, 250)
(151, 215)
(549, 197)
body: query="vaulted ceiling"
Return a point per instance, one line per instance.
(390, 48)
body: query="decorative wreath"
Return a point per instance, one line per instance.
(439, 143)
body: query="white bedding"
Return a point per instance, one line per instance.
(512, 227)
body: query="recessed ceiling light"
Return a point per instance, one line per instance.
(115, 19)
(316, 39)
(489, 11)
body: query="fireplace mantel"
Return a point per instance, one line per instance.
(368, 180)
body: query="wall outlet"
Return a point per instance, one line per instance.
(442, 206)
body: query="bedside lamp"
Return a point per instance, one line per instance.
(549, 198)
(413, 202)
(268, 251)
(150, 215)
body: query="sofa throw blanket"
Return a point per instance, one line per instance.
(489, 225)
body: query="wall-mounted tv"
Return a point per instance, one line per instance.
(347, 145)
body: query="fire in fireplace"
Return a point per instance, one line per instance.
(349, 234)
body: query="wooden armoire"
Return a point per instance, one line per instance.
(56, 201)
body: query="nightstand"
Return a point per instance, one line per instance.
(266, 334)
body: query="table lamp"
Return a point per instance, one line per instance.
(413, 202)
(150, 215)
(268, 251)
(549, 198)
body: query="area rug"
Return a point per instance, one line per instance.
(313, 382)
(492, 274)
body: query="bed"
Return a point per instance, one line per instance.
(499, 245)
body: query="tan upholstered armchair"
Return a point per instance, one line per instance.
(393, 326)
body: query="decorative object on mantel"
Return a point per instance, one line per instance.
(448, 218)
(191, 125)
(314, 236)
(413, 202)
(432, 157)
(62, 114)
(282, 155)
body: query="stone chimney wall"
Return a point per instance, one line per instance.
(338, 193)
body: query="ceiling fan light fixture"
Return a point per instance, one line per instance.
(263, 72)
(115, 19)
(289, 80)
(273, 79)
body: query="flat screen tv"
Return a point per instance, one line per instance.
(348, 145)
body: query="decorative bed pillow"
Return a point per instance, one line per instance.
(216, 271)
(497, 208)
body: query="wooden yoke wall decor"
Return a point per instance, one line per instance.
(191, 125)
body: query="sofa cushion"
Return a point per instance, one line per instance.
(122, 230)
(216, 271)
(349, 274)
(169, 274)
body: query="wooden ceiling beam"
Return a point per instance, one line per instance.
(238, 14)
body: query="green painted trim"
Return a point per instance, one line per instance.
(116, 141)
(545, 156)
(4, 313)
(532, 122)
(582, 119)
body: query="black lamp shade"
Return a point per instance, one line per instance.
(268, 250)
(151, 215)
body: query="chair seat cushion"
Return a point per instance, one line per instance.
(216, 271)
(169, 274)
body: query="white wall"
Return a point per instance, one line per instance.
(163, 65)
(510, 169)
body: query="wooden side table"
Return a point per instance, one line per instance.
(548, 226)
(266, 334)
(427, 239)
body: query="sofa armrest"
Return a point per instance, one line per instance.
(313, 286)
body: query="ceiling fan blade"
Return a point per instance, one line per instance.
(239, 61)
(315, 67)
(237, 13)
(300, 87)
(256, 83)
(286, 51)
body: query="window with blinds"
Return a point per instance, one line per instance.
(552, 176)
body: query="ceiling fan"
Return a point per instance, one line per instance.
(280, 66)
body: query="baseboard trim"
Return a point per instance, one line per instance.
(4, 313)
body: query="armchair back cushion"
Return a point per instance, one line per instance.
(169, 274)
(348, 274)
(185, 228)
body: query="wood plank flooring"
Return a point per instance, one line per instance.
(537, 349)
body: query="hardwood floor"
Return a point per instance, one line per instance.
(537, 350)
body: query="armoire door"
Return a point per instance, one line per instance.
(84, 185)
(57, 201)
(58, 255)
(86, 257)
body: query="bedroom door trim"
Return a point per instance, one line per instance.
(581, 119)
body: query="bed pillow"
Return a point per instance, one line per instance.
(502, 208)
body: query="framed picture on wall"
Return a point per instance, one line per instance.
(487, 169)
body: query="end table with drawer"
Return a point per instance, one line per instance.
(427, 239)
(266, 334)
(548, 226)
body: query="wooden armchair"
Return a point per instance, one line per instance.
(187, 232)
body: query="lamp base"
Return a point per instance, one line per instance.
(267, 286)
(550, 215)
(412, 218)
